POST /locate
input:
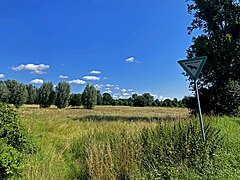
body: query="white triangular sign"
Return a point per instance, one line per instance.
(193, 66)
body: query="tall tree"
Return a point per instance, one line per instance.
(99, 98)
(17, 93)
(149, 98)
(62, 95)
(220, 41)
(32, 94)
(89, 97)
(46, 95)
(107, 99)
(140, 101)
(4, 92)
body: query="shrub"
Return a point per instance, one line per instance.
(13, 142)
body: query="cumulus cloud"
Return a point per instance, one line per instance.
(91, 78)
(115, 96)
(37, 81)
(77, 81)
(132, 60)
(109, 85)
(154, 96)
(130, 90)
(34, 68)
(2, 76)
(126, 94)
(95, 72)
(108, 91)
(63, 77)
(117, 88)
(105, 78)
(98, 86)
(123, 90)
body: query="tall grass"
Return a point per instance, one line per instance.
(129, 143)
(164, 152)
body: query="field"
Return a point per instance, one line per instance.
(75, 143)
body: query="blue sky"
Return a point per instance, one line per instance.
(122, 47)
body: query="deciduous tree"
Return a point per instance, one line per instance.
(89, 97)
(219, 22)
(46, 95)
(62, 95)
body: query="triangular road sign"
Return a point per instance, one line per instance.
(193, 66)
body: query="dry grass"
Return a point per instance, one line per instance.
(55, 129)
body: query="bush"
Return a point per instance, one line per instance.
(13, 142)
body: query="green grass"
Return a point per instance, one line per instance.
(72, 142)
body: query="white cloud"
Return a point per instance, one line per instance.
(37, 81)
(91, 78)
(130, 90)
(162, 98)
(125, 94)
(2, 76)
(77, 81)
(132, 60)
(135, 93)
(117, 88)
(34, 68)
(107, 88)
(98, 86)
(63, 77)
(108, 91)
(123, 90)
(109, 85)
(105, 78)
(115, 96)
(154, 96)
(95, 72)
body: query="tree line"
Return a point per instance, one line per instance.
(17, 93)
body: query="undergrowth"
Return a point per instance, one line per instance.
(164, 152)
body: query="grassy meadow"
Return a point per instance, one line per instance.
(113, 143)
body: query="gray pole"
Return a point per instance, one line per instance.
(199, 111)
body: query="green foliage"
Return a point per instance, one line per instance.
(167, 103)
(46, 95)
(140, 101)
(219, 20)
(13, 142)
(17, 93)
(75, 100)
(32, 94)
(62, 95)
(231, 96)
(4, 92)
(167, 148)
(99, 98)
(149, 98)
(107, 99)
(89, 97)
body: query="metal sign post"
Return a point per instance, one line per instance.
(199, 111)
(193, 67)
